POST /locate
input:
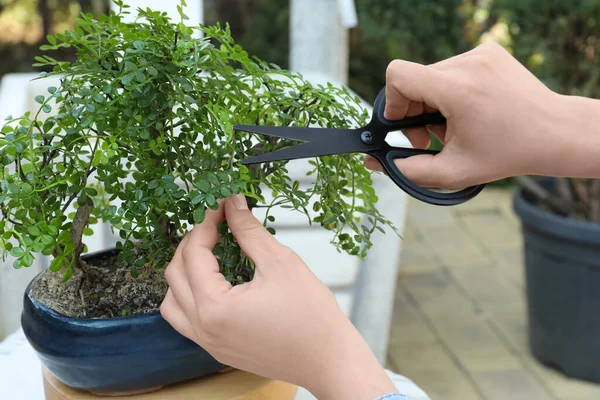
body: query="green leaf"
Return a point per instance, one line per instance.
(46, 239)
(204, 186)
(138, 44)
(39, 99)
(129, 66)
(17, 252)
(126, 80)
(68, 273)
(199, 214)
(51, 39)
(210, 199)
(34, 230)
(197, 199)
(27, 260)
(152, 71)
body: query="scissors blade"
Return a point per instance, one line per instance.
(292, 132)
(339, 144)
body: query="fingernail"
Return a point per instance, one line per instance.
(239, 201)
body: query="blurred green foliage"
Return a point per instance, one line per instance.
(559, 41)
(24, 25)
(415, 30)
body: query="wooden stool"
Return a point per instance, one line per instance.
(234, 385)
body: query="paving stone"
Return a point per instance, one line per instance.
(408, 328)
(468, 335)
(450, 242)
(491, 230)
(510, 262)
(417, 251)
(511, 321)
(410, 234)
(458, 261)
(510, 383)
(419, 268)
(428, 215)
(563, 387)
(487, 284)
(432, 369)
(460, 324)
(436, 295)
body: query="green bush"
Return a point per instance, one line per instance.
(558, 41)
(414, 30)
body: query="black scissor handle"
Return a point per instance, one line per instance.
(422, 120)
(387, 156)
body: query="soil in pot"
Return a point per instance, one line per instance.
(103, 288)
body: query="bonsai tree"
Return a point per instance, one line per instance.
(139, 135)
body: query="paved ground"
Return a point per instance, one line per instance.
(459, 328)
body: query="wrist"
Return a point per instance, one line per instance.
(351, 370)
(575, 140)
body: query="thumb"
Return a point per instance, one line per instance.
(254, 239)
(427, 170)
(408, 82)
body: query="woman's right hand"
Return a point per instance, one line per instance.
(501, 121)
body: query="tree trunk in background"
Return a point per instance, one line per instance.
(238, 13)
(45, 13)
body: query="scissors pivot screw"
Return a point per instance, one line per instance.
(366, 137)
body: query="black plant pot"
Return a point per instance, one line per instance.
(113, 355)
(562, 267)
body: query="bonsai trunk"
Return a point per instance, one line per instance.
(81, 220)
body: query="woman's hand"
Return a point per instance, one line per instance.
(284, 324)
(501, 121)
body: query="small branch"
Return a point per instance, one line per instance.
(102, 134)
(5, 215)
(48, 158)
(72, 197)
(543, 195)
(20, 168)
(594, 201)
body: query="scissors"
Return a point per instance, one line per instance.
(370, 140)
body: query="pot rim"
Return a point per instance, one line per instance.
(552, 224)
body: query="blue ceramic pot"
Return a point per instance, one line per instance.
(114, 354)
